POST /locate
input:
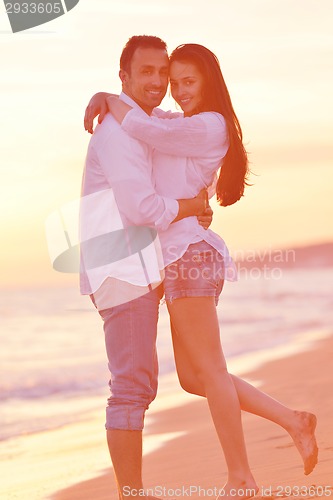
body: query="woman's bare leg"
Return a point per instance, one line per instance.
(300, 425)
(196, 322)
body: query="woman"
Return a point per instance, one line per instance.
(193, 147)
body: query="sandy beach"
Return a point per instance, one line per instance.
(190, 463)
(182, 457)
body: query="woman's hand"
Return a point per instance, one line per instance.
(118, 108)
(97, 106)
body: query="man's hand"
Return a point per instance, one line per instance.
(205, 220)
(201, 202)
(97, 106)
(193, 206)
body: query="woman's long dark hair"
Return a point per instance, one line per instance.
(215, 97)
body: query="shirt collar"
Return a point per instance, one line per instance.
(128, 100)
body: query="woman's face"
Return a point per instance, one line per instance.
(186, 86)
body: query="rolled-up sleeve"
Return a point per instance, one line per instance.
(124, 163)
(166, 115)
(196, 136)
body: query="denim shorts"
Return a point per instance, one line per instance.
(198, 273)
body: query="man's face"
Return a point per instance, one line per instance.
(148, 80)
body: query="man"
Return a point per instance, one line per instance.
(118, 189)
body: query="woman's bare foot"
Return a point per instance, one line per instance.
(241, 490)
(303, 435)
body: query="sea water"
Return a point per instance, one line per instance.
(53, 368)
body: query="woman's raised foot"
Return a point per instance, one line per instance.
(303, 435)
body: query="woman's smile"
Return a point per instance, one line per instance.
(186, 83)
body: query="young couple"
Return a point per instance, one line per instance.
(157, 165)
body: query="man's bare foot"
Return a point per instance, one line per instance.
(239, 491)
(303, 435)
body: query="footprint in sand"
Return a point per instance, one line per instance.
(282, 446)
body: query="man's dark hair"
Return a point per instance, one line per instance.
(135, 42)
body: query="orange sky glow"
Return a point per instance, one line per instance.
(276, 59)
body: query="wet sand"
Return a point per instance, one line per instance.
(185, 460)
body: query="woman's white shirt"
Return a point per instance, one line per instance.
(187, 153)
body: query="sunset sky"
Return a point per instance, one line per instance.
(276, 57)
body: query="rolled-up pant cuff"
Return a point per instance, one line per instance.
(127, 418)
